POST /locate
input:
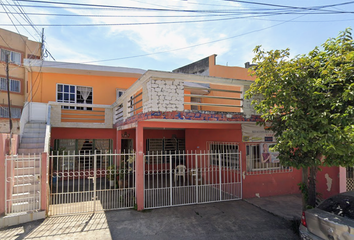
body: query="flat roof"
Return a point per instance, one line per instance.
(80, 68)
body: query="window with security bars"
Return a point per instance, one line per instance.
(15, 112)
(157, 147)
(224, 154)
(260, 159)
(15, 85)
(80, 152)
(14, 57)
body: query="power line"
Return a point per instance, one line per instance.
(183, 48)
(144, 23)
(182, 10)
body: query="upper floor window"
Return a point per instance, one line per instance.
(15, 112)
(119, 93)
(14, 57)
(74, 94)
(15, 85)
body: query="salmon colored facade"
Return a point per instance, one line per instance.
(139, 120)
(104, 87)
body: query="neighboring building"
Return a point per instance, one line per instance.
(19, 48)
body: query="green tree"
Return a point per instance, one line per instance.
(309, 102)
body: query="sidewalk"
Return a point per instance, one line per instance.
(82, 226)
(288, 207)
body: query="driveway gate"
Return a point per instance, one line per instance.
(173, 179)
(91, 182)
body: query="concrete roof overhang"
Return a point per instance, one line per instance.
(82, 69)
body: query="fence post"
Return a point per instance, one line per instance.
(220, 176)
(139, 176)
(44, 181)
(171, 195)
(196, 177)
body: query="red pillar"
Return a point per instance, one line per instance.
(139, 167)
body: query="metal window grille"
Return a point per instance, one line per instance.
(255, 165)
(15, 112)
(14, 57)
(15, 85)
(224, 147)
(163, 145)
(350, 178)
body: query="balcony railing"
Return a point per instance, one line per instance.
(81, 115)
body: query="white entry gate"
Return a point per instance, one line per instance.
(22, 183)
(91, 182)
(173, 179)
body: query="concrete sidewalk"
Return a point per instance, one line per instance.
(288, 207)
(82, 226)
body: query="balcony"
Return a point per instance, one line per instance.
(179, 97)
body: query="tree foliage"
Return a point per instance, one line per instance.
(309, 102)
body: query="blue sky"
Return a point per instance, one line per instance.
(300, 31)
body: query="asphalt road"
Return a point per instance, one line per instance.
(225, 220)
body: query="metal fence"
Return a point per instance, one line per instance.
(256, 162)
(183, 178)
(22, 183)
(91, 181)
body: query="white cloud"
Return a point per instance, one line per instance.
(168, 37)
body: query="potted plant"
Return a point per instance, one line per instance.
(112, 172)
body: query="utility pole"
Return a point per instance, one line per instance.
(8, 91)
(42, 45)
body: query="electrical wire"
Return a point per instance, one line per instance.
(182, 10)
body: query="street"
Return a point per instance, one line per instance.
(224, 220)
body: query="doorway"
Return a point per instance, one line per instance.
(127, 145)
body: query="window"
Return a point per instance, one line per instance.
(156, 147)
(15, 85)
(74, 94)
(196, 100)
(14, 57)
(119, 93)
(82, 150)
(15, 112)
(261, 159)
(228, 153)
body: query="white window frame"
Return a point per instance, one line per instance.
(15, 112)
(3, 85)
(75, 93)
(15, 57)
